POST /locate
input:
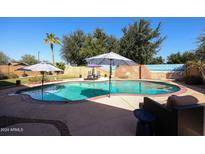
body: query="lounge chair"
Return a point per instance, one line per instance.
(90, 76)
(176, 119)
(98, 74)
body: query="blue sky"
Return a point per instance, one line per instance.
(19, 36)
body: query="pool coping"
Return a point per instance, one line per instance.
(181, 91)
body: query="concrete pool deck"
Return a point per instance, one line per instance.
(103, 116)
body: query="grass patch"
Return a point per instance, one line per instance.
(29, 80)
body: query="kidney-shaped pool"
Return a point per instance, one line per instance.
(73, 91)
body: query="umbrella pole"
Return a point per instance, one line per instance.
(42, 78)
(93, 73)
(42, 85)
(110, 77)
(140, 71)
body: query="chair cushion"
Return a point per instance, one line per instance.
(144, 116)
(174, 101)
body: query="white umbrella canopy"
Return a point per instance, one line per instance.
(110, 58)
(41, 67)
(105, 59)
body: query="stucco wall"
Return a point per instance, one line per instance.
(124, 72)
(133, 72)
(166, 75)
(5, 69)
(77, 70)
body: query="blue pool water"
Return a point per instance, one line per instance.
(83, 90)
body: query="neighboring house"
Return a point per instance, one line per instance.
(17, 64)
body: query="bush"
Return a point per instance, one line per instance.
(3, 76)
(67, 76)
(35, 79)
(195, 80)
(24, 75)
(8, 76)
(50, 73)
(61, 65)
(12, 76)
(123, 77)
(38, 79)
(48, 78)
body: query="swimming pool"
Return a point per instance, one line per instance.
(73, 91)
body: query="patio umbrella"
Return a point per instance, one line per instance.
(110, 59)
(41, 67)
(93, 66)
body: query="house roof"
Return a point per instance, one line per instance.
(17, 63)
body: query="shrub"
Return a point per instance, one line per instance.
(35, 79)
(12, 76)
(193, 80)
(123, 77)
(195, 68)
(24, 75)
(3, 76)
(61, 65)
(67, 76)
(38, 79)
(8, 76)
(52, 77)
(50, 73)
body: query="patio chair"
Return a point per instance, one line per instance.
(89, 73)
(89, 76)
(174, 120)
(95, 77)
(98, 74)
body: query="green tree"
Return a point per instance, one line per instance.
(157, 60)
(61, 65)
(78, 46)
(175, 58)
(113, 44)
(71, 47)
(200, 51)
(140, 42)
(95, 44)
(51, 39)
(98, 43)
(29, 59)
(4, 59)
(178, 58)
(189, 56)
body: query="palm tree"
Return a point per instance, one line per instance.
(51, 39)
